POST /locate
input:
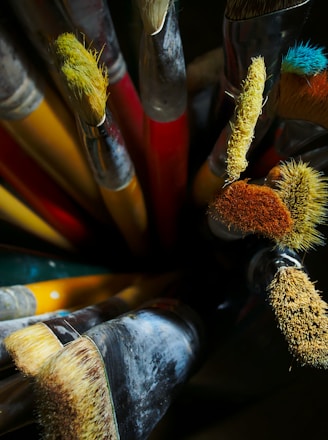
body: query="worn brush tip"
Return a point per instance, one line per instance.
(72, 386)
(85, 80)
(31, 346)
(301, 315)
(304, 191)
(251, 208)
(153, 14)
(247, 111)
(245, 9)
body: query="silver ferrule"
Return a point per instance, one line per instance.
(269, 35)
(107, 154)
(162, 72)
(16, 302)
(265, 263)
(20, 90)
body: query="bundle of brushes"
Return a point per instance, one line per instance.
(105, 355)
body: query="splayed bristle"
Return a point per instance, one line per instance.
(153, 13)
(304, 97)
(251, 209)
(248, 109)
(85, 80)
(304, 191)
(74, 395)
(245, 9)
(31, 346)
(301, 314)
(304, 59)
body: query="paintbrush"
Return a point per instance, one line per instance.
(252, 29)
(163, 92)
(45, 296)
(292, 136)
(43, 194)
(86, 83)
(34, 114)
(94, 20)
(30, 346)
(287, 209)
(228, 157)
(299, 309)
(118, 379)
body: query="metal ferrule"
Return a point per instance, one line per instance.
(107, 154)
(162, 72)
(265, 263)
(268, 35)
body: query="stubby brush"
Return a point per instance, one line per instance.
(228, 157)
(304, 191)
(86, 82)
(118, 379)
(299, 310)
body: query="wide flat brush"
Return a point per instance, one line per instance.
(288, 209)
(30, 346)
(86, 83)
(299, 309)
(119, 378)
(163, 92)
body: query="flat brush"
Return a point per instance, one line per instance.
(227, 159)
(287, 209)
(113, 170)
(299, 309)
(40, 297)
(30, 346)
(12, 325)
(118, 379)
(163, 92)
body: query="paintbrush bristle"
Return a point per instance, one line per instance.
(304, 59)
(247, 111)
(251, 208)
(304, 191)
(304, 97)
(245, 9)
(153, 13)
(301, 314)
(74, 396)
(31, 346)
(85, 80)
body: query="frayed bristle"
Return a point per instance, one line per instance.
(304, 191)
(251, 209)
(74, 396)
(245, 9)
(153, 14)
(304, 97)
(301, 314)
(31, 346)
(85, 80)
(304, 59)
(248, 109)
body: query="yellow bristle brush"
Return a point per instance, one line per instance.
(228, 157)
(304, 191)
(86, 83)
